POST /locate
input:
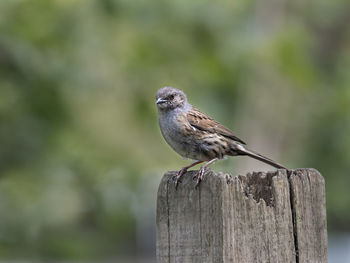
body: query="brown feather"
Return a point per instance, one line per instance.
(201, 121)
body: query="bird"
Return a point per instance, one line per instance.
(194, 135)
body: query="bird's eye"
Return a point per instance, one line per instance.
(171, 97)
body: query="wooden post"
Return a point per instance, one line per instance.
(261, 217)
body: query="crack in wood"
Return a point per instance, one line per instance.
(227, 221)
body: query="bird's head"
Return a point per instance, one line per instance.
(169, 98)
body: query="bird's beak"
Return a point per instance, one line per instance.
(160, 101)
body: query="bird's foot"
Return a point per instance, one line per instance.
(200, 175)
(178, 176)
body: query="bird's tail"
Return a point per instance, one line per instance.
(244, 151)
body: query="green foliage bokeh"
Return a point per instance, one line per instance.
(81, 154)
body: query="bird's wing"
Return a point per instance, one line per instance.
(201, 121)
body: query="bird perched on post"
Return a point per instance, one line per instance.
(193, 134)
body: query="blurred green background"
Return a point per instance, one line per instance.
(81, 154)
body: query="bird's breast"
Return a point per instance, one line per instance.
(178, 133)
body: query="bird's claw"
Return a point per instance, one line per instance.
(200, 176)
(178, 177)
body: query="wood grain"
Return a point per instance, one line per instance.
(259, 217)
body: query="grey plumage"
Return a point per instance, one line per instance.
(194, 135)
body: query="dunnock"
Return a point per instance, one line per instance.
(194, 135)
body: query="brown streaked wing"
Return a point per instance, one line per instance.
(201, 121)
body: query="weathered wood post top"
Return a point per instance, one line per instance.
(260, 217)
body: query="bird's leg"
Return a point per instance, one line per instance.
(184, 170)
(202, 170)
